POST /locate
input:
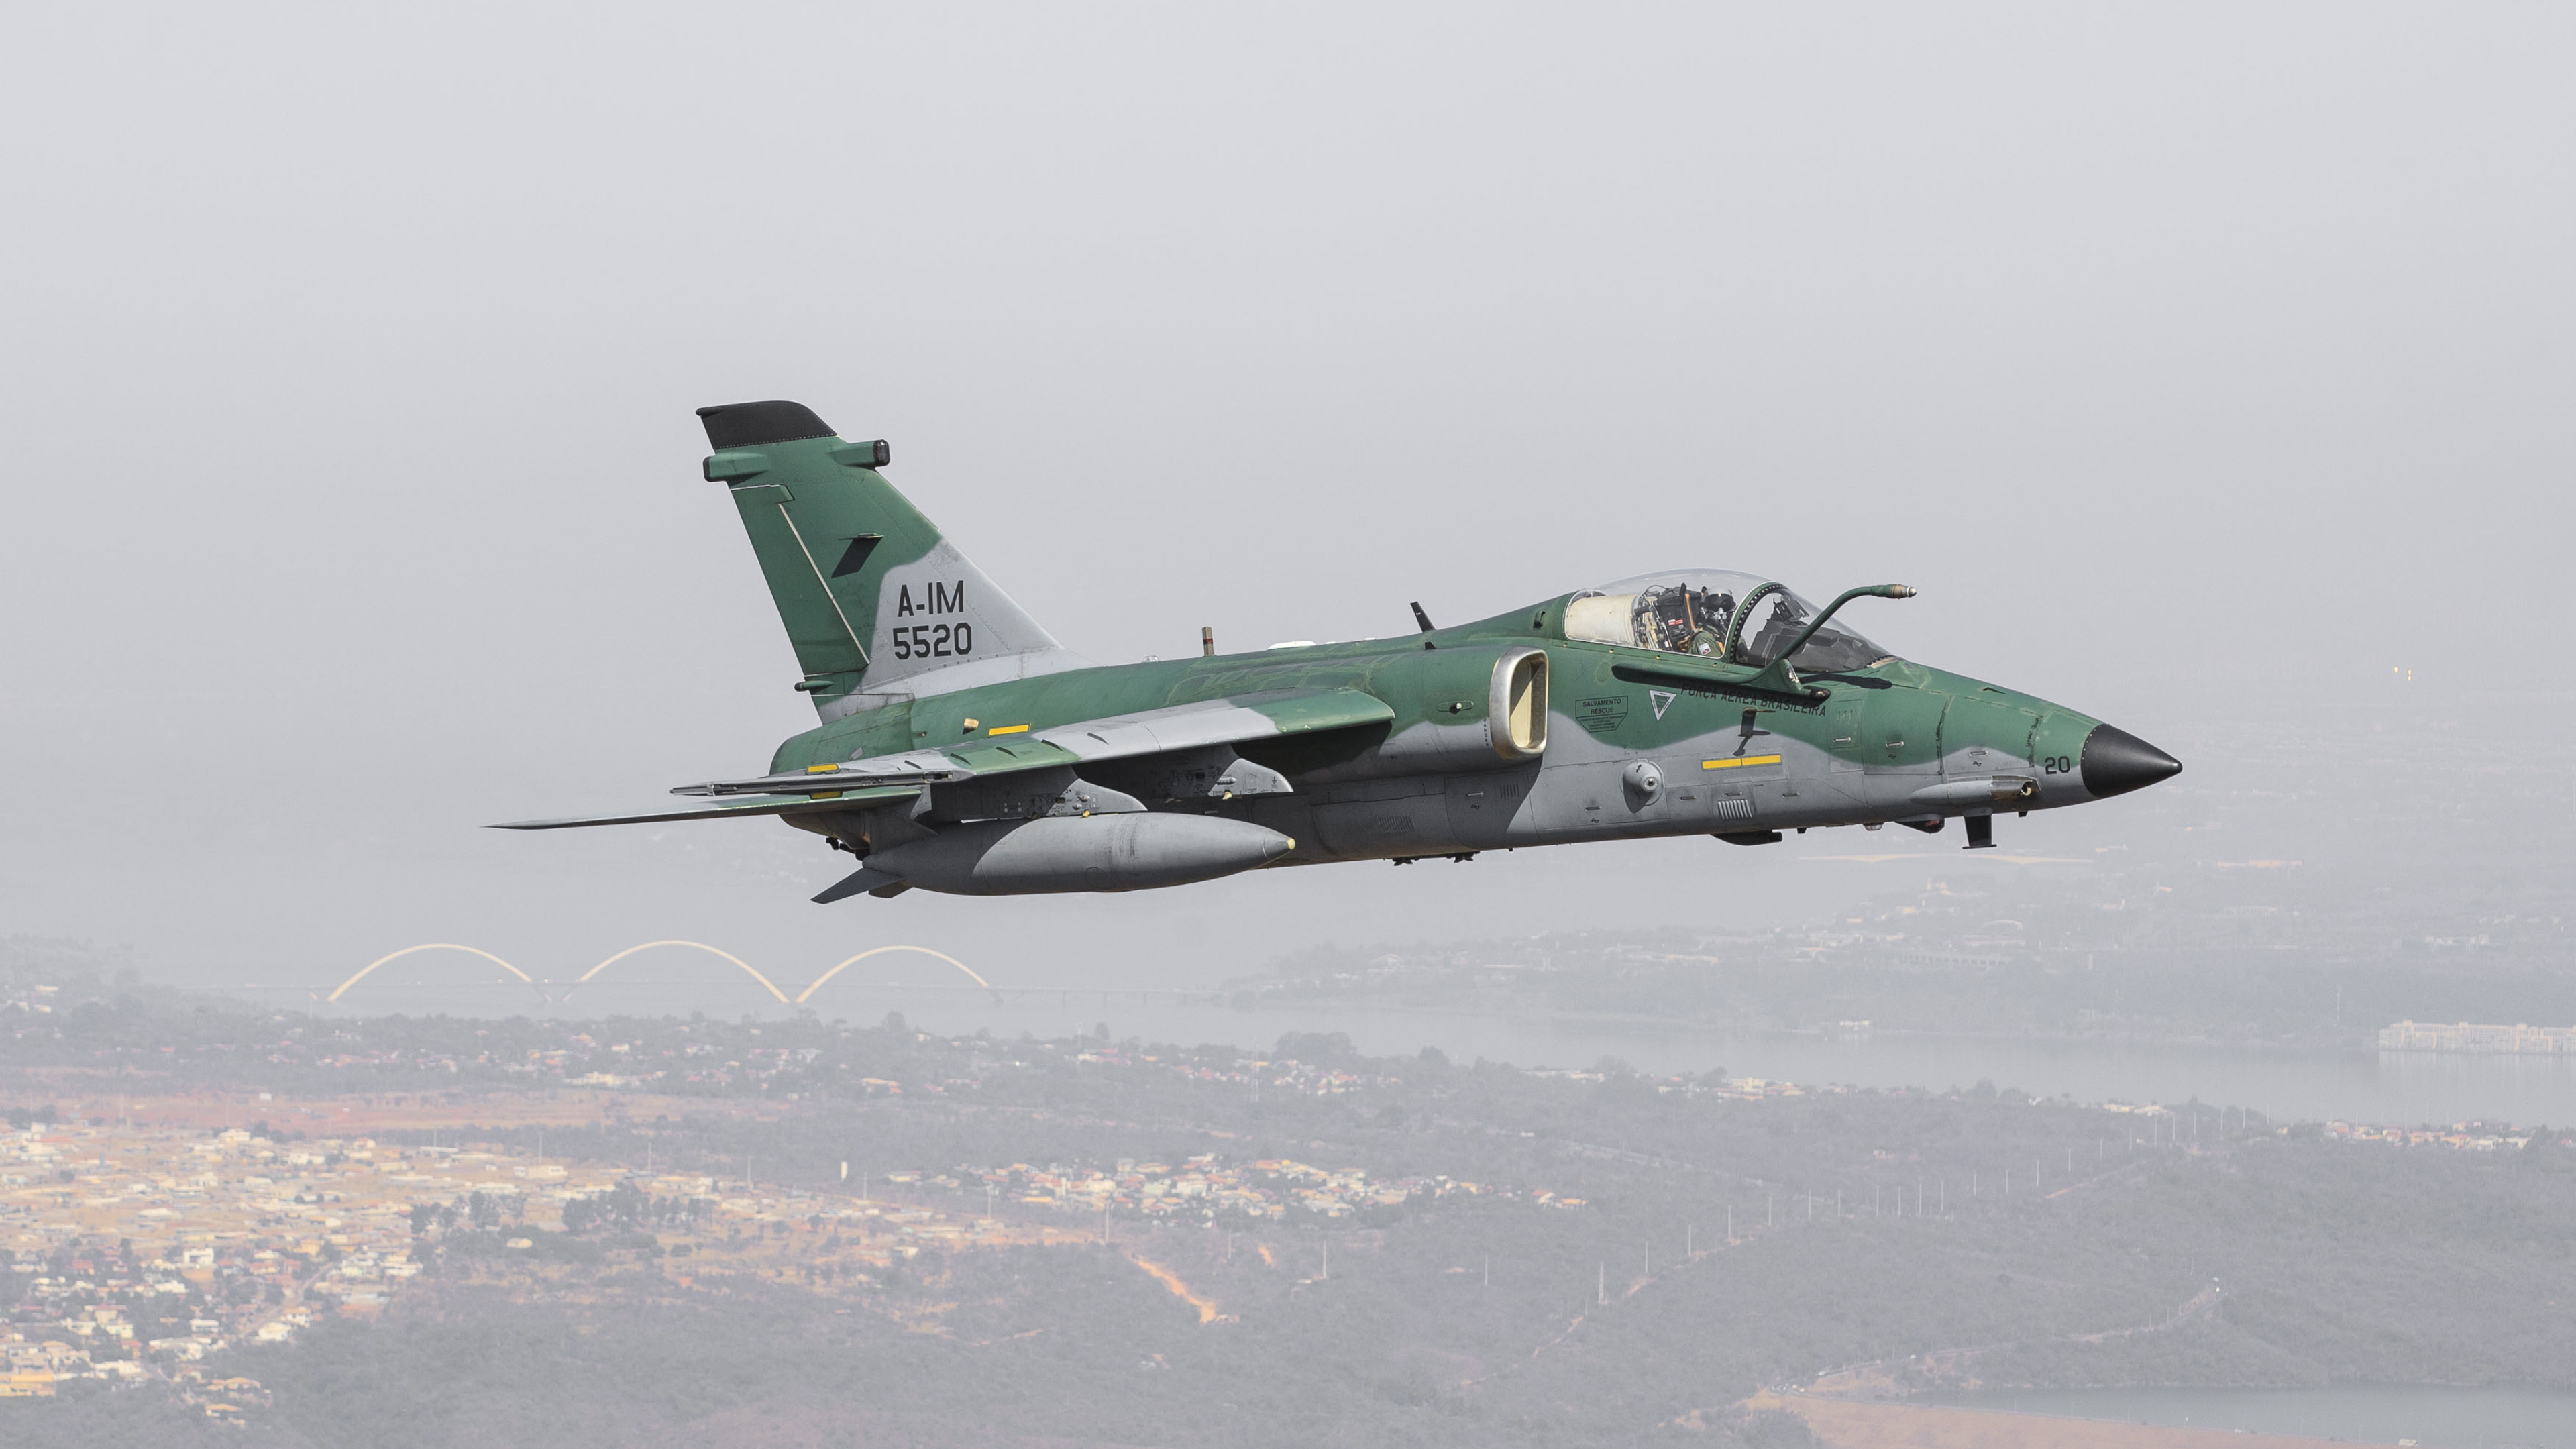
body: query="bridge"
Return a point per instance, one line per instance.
(553, 991)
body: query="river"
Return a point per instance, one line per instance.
(2479, 1418)
(2287, 1086)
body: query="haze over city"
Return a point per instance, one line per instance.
(2203, 371)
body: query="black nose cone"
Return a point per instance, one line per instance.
(2117, 762)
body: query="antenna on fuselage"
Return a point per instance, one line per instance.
(1422, 619)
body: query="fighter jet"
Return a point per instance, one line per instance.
(961, 749)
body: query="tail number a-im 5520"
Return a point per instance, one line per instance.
(944, 640)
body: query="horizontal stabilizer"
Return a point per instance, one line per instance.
(755, 805)
(865, 878)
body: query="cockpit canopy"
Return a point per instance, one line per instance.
(1716, 614)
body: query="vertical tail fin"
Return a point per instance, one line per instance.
(875, 600)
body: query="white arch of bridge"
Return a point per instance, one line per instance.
(766, 984)
(880, 950)
(338, 990)
(747, 968)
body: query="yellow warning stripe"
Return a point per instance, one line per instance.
(1008, 730)
(1731, 764)
(821, 769)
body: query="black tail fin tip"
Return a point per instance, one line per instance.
(748, 425)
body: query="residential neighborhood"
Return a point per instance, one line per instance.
(141, 1248)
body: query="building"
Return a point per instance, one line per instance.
(2411, 1036)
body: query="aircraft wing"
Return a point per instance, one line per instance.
(750, 805)
(1241, 720)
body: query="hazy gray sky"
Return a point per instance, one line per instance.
(2197, 363)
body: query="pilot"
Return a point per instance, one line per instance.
(1691, 621)
(1714, 610)
(1702, 626)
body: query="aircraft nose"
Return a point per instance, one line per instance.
(2116, 762)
